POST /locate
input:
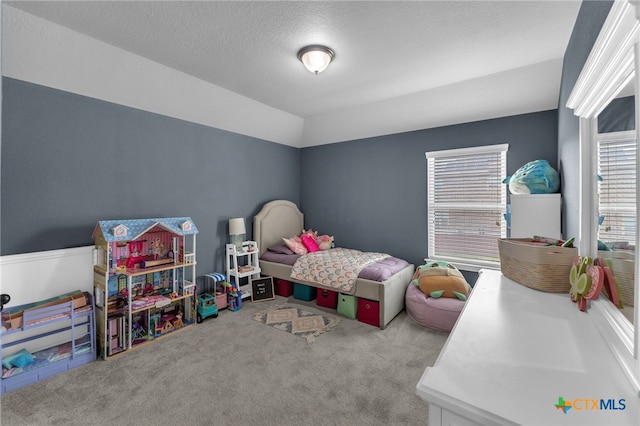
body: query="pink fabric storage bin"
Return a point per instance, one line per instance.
(439, 314)
(283, 287)
(369, 312)
(327, 298)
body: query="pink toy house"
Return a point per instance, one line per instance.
(144, 275)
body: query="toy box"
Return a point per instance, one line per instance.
(284, 287)
(303, 292)
(369, 312)
(347, 305)
(327, 298)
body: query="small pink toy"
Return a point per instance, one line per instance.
(135, 248)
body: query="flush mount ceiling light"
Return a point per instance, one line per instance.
(316, 58)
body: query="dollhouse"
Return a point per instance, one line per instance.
(144, 280)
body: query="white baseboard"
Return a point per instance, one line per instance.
(31, 277)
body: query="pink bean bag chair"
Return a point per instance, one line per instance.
(435, 313)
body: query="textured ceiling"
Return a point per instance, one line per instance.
(384, 50)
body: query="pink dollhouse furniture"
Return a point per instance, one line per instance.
(438, 314)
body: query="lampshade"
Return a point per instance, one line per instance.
(236, 226)
(315, 58)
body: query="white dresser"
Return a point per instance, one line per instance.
(514, 352)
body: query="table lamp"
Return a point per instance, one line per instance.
(237, 232)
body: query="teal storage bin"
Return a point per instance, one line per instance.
(303, 292)
(348, 305)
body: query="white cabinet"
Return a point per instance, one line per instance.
(515, 353)
(535, 214)
(243, 264)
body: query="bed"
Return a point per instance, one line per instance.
(282, 218)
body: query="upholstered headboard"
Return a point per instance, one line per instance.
(277, 219)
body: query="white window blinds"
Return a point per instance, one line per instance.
(466, 201)
(617, 188)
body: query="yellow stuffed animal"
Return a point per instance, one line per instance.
(441, 279)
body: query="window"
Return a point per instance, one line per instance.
(617, 188)
(466, 201)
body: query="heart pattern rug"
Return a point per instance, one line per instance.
(297, 322)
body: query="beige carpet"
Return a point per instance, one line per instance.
(232, 370)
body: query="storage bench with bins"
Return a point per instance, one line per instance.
(349, 306)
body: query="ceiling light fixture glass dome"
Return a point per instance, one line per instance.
(316, 58)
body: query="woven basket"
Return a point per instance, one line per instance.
(544, 268)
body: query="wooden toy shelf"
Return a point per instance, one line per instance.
(139, 327)
(139, 271)
(236, 270)
(136, 272)
(173, 300)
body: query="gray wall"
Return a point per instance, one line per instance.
(371, 194)
(590, 19)
(69, 161)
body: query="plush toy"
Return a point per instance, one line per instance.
(441, 279)
(310, 232)
(325, 242)
(535, 177)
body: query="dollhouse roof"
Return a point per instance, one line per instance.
(135, 228)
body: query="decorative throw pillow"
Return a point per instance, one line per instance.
(295, 245)
(280, 249)
(310, 232)
(309, 243)
(22, 360)
(19, 359)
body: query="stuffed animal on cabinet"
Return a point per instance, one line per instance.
(535, 177)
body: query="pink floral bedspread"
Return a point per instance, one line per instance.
(336, 268)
